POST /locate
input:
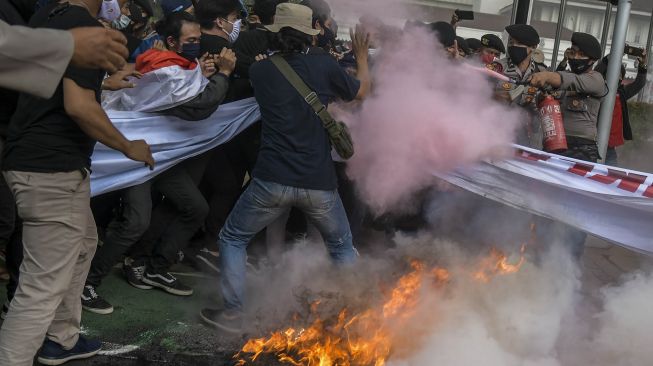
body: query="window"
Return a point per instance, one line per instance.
(588, 26)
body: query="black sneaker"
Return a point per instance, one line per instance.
(134, 275)
(5, 310)
(53, 353)
(227, 320)
(167, 282)
(94, 303)
(208, 261)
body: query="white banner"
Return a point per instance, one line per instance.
(612, 203)
(171, 139)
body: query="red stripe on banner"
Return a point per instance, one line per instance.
(648, 192)
(581, 169)
(629, 181)
(606, 179)
(532, 156)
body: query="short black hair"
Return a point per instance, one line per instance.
(208, 11)
(266, 9)
(321, 10)
(170, 26)
(289, 40)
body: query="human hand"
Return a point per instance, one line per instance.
(260, 57)
(226, 61)
(120, 79)
(360, 42)
(540, 79)
(159, 45)
(99, 48)
(207, 64)
(642, 61)
(139, 150)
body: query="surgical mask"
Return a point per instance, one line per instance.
(235, 32)
(579, 66)
(121, 23)
(190, 51)
(110, 10)
(487, 58)
(517, 54)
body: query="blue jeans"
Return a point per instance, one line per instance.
(261, 204)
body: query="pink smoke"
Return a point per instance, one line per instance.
(426, 114)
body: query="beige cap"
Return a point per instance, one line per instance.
(295, 16)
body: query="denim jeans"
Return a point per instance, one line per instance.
(261, 204)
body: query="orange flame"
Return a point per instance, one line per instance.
(367, 337)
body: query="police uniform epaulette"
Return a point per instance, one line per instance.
(495, 66)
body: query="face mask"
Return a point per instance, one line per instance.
(190, 51)
(110, 10)
(579, 66)
(487, 58)
(327, 39)
(121, 23)
(517, 54)
(235, 32)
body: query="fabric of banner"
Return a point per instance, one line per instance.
(171, 139)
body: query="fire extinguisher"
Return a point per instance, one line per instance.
(552, 125)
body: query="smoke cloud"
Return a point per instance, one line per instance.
(426, 114)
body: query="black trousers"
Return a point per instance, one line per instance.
(174, 220)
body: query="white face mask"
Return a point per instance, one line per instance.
(121, 23)
(235, 32)
(110, 10)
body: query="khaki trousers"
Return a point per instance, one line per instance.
(59, 238)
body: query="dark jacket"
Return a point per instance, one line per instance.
(204, 104)
(626, 92)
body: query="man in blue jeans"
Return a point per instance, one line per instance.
(294, 166)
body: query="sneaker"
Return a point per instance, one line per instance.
(208, 261)
(94, 303)
(167, 282)
(134, 275)
(5, 310)
(53, 353)
(226, 320)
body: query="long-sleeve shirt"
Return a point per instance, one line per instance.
(580, 102)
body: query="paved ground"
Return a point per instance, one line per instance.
(154, 328)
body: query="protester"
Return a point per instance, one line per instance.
(47, 166)
(294, 166)
(581, 91)
(172, 6)
(620, 129)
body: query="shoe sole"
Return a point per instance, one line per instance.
(140, 286)
(98, 311)
(203, 262)
(220, 326)
(61, 361)
(167, 289)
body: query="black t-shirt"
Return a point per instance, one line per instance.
(295, 148)
(11, 14)
(42, 137)
(249, 45)
(239, 86)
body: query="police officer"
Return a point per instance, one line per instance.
(519, 66)
(580, 92)
(491, 48)
(446, 35)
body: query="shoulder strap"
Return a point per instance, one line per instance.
(296, 81)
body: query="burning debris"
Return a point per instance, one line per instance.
(348, 337)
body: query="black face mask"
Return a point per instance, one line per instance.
(579, 66)
(327, 39)
(517, 54)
